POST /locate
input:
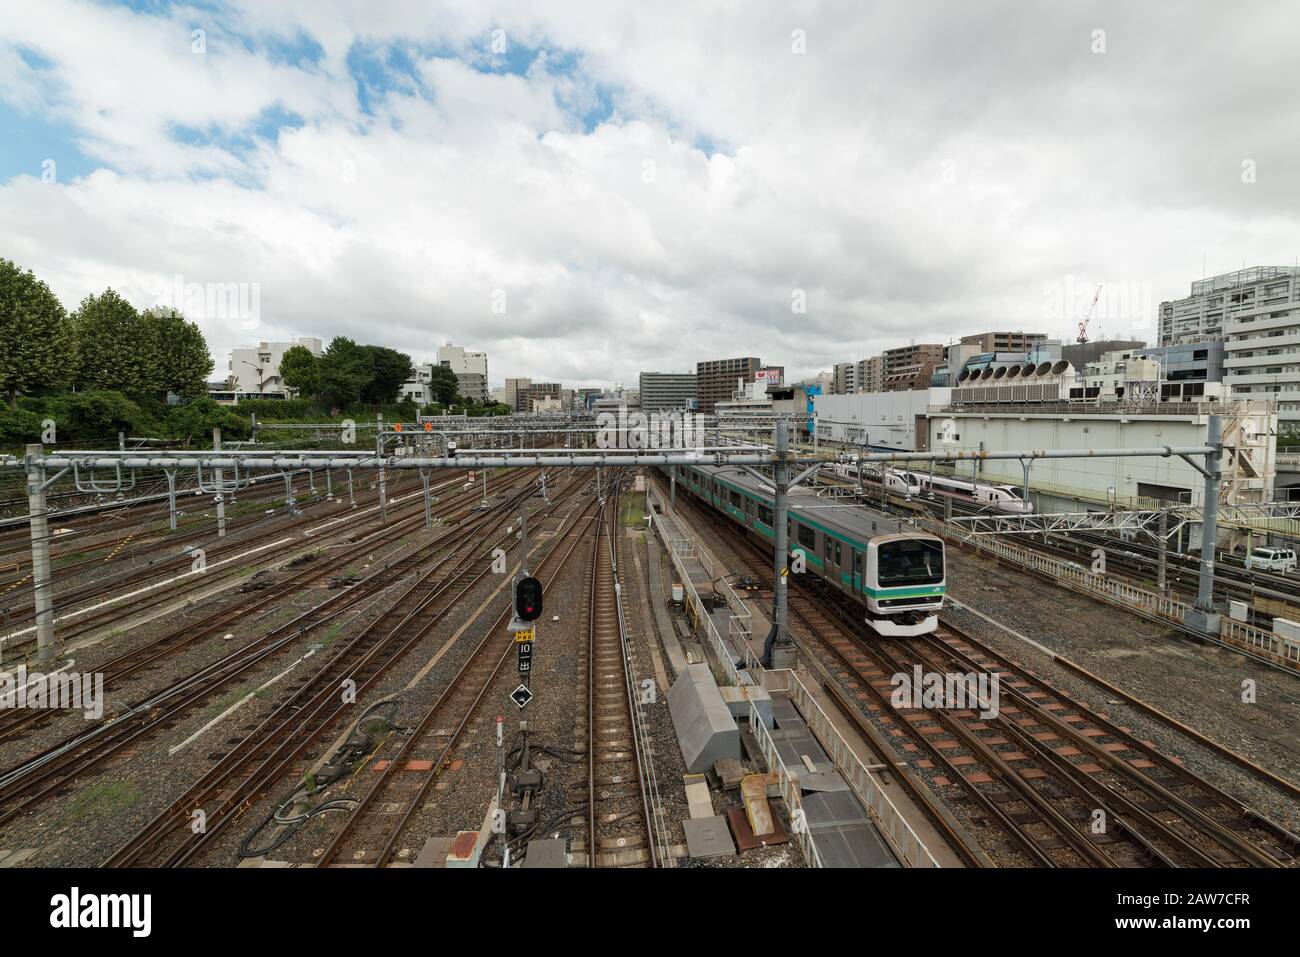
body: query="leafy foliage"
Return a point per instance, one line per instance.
(300, 370)
(98, 415)
(35, 348)
(113, 352)
(181, 353)
(198, 418)
(390, 369)
(443, 385)
(345, 370)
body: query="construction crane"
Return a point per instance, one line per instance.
(1083, 323)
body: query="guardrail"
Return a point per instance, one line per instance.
(721, 651)
(1120, 593)
(891, 825)
(790, 791)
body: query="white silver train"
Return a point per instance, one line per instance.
(1001, 498)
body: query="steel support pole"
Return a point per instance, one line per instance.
(778, 649)
(428, 507)
(483, 471)
(383, 497)
(42, 587)
(1024, 494)
(216, 478)
(171, 498)
(1203, 617)
(672, 486)
(1162, 565)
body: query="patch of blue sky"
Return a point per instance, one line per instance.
(29, 139)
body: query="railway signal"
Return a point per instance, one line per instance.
(528, 599)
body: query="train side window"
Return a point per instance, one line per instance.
(828, 547)
(807, 538)
(838, 559)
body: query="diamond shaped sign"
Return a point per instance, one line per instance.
(521, 696)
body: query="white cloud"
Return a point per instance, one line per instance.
(919, 173)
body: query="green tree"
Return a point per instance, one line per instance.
(34, 343)
(345, 370)
(181, 353)
(300, 370)
(443, 385)
(199, 417)
(114, 349)
(391, 369)
(98, 415)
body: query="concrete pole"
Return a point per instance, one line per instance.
(672, 486)
(171, 498)
(428, 507)
(1162, 565)
(216, 478)
(1203, 617)
(42, 590)
(483, 471)
(383, 497)
(778, 649)
(121, 441)
(1024, 494)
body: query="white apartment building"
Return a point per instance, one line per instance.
(471, 370)
(1256, 312)
(255, 370)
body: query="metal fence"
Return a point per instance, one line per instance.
(889, 822)
(679, 546)
(1120, 593)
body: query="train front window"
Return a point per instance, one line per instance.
(909, 563)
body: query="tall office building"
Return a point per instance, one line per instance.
(667, 391)
(1245, 300)
(715, 380)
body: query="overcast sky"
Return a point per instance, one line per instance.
(589, 189)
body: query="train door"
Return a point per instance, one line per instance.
(857, 570)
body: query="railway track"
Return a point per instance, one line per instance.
(268, 754)
(97, 596)
(145, 656)
(617, 802)
(373, 832)
(1046, 770)
(53, 770)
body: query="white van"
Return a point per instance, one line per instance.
(1269, 559)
